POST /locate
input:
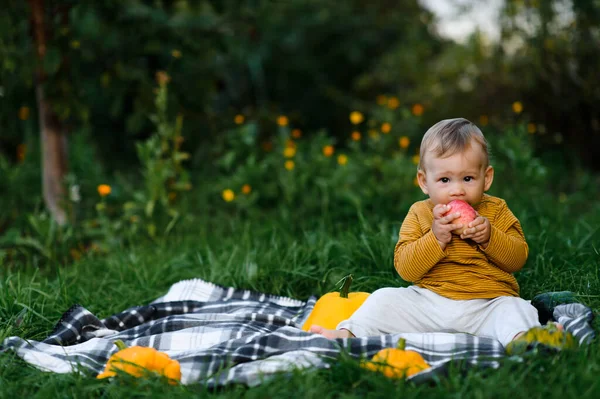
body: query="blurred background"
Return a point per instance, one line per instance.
(127, 115)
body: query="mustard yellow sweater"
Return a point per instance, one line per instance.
(464, 270)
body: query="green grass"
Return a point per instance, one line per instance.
(275, 254)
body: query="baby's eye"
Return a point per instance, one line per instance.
(468, 178)
(444, 180)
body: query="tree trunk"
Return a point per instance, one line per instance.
(52, 137)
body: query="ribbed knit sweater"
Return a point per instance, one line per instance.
(464, 270)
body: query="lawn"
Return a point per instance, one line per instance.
(291, 250)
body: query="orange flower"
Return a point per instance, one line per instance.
(283, 120)
(246, 189)
(404, 142)
(381, 99)
(386, 128)
(393, 103)
(21, 151)
(356, 117)
(517, 107)
(418, 109)
(296, 133)
(290, 144)
(356, 136)
(228, 195)
(104, 190)
(289, 165)
(267, 146)
(24, 113)
(239, 119)
(484, 120)
(342, 159)
(531, 128)
(328, 150)
(162, 78)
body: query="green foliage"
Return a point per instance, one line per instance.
(372, 168)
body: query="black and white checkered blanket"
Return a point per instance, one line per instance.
(224, 335)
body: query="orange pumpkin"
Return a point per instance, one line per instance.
(334, 307)
(139, 360)
(397, 362)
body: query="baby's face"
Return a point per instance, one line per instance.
(461, 176)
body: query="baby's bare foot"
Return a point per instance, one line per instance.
(331, 334)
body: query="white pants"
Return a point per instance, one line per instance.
(415, 309)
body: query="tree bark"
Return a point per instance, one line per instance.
(52, 137)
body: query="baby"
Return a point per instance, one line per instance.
(461, 283)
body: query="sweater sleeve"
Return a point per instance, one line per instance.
(507, 248)
(415, 253)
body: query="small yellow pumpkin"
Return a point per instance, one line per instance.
(138, 360)
(550, 337)
(397, 362)
(335, 307)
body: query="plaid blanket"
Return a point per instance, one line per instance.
(224, 335)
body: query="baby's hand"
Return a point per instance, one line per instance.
(442, 225)
(478, 230)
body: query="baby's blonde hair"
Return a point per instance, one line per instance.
(449, 136)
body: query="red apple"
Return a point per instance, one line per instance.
(467, 214)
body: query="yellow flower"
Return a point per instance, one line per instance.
(342, 159)
(296, 133)
(531, 128)
(558, 138)
(418, 109)
(246, 189)
(228, 195)
(75, 44)
(239, 119)
(562, 197)
(386, 128)
(356, 136)
(328, 150)
(404, 142)
(356, 117)
(484, 120)
(416, 159)
(393, 103)
(381, 99)
(289, 165)
(105, 79)
(374, 134)
(176, 53)
(283, 120)
(289, 152)
(24, 113)
(104, 190)
(517, 107)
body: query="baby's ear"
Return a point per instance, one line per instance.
(421, 178)
(488, 178)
